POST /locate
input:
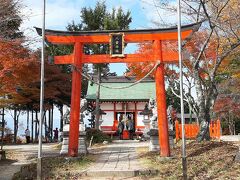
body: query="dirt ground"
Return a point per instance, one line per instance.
(54, 165)
(206, 160)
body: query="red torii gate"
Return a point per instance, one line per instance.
(78, 39)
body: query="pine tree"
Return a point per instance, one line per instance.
(100, 19)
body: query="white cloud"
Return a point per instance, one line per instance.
(156, 15)
(125, 4)
(58, 14)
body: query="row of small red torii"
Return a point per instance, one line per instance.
(156, 36)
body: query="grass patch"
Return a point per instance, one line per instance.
(205, 160)
(66, 167)
(62, 168)
(57, 146)
(97, 135)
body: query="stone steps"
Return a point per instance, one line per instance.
(120, 173)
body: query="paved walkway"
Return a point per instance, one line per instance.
(118, 159)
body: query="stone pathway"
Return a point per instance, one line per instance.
(118, 159)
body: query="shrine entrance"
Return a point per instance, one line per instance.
(162, 54)
(122, 116)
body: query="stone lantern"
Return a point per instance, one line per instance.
(146, 120)
(82, 147)
(101, 112)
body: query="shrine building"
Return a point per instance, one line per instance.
(121, 103)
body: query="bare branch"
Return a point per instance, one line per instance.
(207, 15)
(220, 11)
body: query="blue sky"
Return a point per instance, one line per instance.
(60, 12)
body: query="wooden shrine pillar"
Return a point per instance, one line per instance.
(75, 100)
(161, 102)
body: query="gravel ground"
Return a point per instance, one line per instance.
(18, 155)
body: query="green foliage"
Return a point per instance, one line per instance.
(237, 125)
(175, 101)
(225, 127)
(100, 19)
(98, 136)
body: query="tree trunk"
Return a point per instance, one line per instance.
(3, 128)
(204, 131)
(52, 121)
(231, 124)
(15, 126)
(204, 117)
(32, 124)
(234, 127)
(61, 118)
(27, 118)
(190, 114)
(97, 125)
(49, 125)
(206, 97)
(36, 126)
(45, 124)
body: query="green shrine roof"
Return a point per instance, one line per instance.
(141, 91)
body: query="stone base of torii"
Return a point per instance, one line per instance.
(82, 146)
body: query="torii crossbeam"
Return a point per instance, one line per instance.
(117, 40)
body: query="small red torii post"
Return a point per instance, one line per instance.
(156, 36)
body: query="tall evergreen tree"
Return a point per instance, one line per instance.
(100, 19)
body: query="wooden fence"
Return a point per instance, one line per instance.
(191, 130)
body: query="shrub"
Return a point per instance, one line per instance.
(98, 136)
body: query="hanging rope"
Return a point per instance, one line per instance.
(87, 76)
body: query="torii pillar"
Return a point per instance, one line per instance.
(161, 102)
(75, 100)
